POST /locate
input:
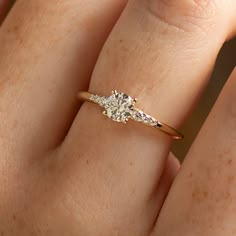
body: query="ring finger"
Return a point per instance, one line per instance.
(165, 62)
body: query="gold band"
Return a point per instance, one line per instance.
(120, 107)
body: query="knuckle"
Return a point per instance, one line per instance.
(186, 15)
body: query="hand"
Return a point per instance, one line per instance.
(67, 170)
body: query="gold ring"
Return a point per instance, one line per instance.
(120, 108)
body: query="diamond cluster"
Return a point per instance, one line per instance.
(120, 108)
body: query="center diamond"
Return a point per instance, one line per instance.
(119, 107)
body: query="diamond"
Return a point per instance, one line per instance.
(119, 107)
(142, 117)
(151, 121)
(138, 116)
(98, 99)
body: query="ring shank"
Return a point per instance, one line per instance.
(86, 96)
(169, 130)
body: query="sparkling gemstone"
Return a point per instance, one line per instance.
(98, 99)
(151, 121)
(119, 107)
(138, 116)
(142, 117)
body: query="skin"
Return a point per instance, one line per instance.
(67, 170)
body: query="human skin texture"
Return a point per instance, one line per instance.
(65, 169)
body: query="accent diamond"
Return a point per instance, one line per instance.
(98, 99)
(142, 117)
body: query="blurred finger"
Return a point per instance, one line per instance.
(203, 199)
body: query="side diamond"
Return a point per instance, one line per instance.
(138, 116)
(101, 100)
(142, 117)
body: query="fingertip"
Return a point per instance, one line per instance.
(173, 164)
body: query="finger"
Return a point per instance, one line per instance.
(4, 6)
(48, 51)
(162, 54)
(202, 200)
(170, 171)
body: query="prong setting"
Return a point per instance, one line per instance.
(114, 92)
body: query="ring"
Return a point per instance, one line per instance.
(120, 108)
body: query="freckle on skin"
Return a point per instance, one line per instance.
(21, 223)
(14, 217)
(2, 233)
(199, 194)
(193, 221)
(39, 231)
(131, 163)
(87, 161)
(15, 124)
(205, 194)
(229, 162)
(230, 179)
(15, 28)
